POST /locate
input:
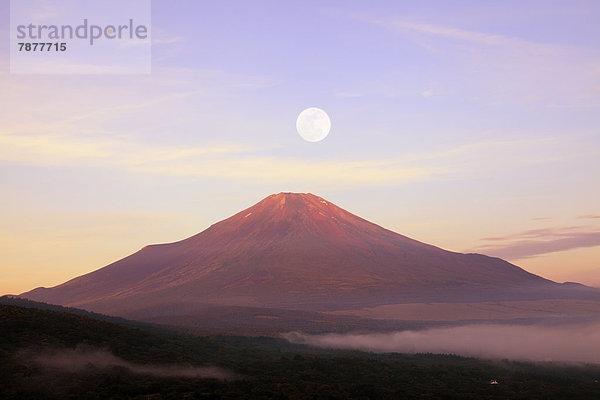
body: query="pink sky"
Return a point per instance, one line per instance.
(470, 126)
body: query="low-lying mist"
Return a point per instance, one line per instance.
(573, 343)
(83, 358)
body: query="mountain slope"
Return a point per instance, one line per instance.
(296, 251)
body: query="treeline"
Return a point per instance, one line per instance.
(265, 368)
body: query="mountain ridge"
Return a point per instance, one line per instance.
(295, 251)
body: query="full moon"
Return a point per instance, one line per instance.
(313, 124)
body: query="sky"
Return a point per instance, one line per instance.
(473, 126)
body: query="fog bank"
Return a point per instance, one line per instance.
(579, 343)
(83, 358)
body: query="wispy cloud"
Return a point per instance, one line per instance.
(499, 68)
(476, 37)
(82, 357)
(538, 233)
(534, 242)
(428, 93)
(590, 216)
(347, 94)
(56, 149)
(166, 46)
(281, 170)
(251, 163)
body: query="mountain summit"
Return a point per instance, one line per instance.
(294, 251)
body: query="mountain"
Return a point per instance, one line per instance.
(296, 251)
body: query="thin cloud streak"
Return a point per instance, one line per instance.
(590, 216)
(535, 242)
(252, 163)
(403, 25)
(538, 233)
(486, 65)
(51, 150)
(541, 218)
(216, 161)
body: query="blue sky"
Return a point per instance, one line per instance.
(469, 125)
